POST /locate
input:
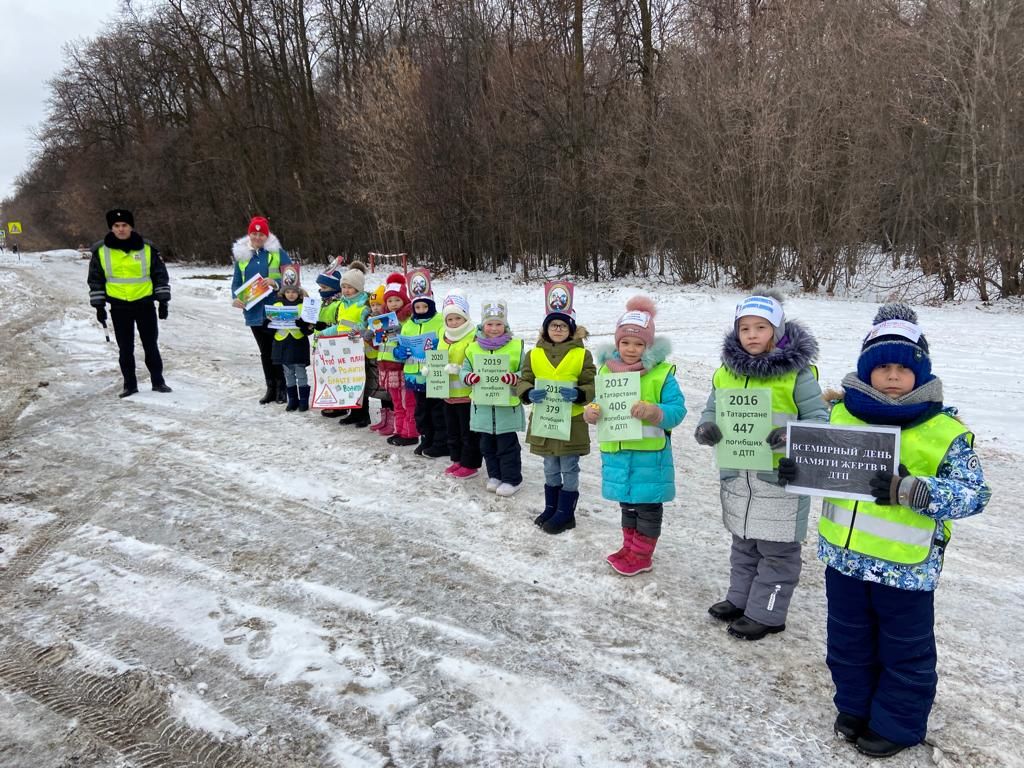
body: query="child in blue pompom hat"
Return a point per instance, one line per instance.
(884, 557)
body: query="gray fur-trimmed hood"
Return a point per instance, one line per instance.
(242, 251)
(798, 352)
(653, 355)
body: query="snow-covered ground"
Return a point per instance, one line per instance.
(195, 579)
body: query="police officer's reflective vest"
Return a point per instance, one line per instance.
(784, 407)
(654, 438)
(569, 368)
(894, 533)
(127, 272)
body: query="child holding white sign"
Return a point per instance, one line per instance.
(291, 345)
(463, 442)
(884, 557)
(763, 352)
(496, 422)
(559, 357)
(639, 474)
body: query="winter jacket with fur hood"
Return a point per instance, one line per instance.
(754, 506)
(258, 264)
(578, 443)
(645, 477)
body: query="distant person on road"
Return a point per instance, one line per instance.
(127, 271)
(260, 253)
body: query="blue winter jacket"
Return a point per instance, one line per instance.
(645, 477)
(258, 263)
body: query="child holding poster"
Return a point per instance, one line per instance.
(639, 473)
(390, 369)
(463, 442)
(883, 558)
(351, 311)
(496, 412)
(374, 387)
(424, 322)
(763, 351)
(329, 287)
(291, 345)
(566, 372)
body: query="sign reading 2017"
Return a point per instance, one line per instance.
(617, 393)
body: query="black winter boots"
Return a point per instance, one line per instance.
(725, 611)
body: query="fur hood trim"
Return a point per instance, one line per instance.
(654, 354)
(242, 251)
(799, 352)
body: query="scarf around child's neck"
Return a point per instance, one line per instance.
(459, 333)
(491, 344)
(868, 404)
(617, 365)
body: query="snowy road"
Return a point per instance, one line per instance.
(173, 592)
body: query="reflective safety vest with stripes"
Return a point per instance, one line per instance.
(568, 369)
(410, 327)
(651, 384)
(127, 273)
(273, 266)
(894, 533)
(283, 333)
(784, 408)
(513, 348)
(456, 354)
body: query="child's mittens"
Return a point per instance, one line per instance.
(645, 411)
(903, 488)
(592, 413)
(303, 326)
(472, 379)
(786, 471)
(402, 353)
(569, 394)
(453, 369)
(321, 325)
(509, 378)
(708, 433)
(776, 438)
(536, 395)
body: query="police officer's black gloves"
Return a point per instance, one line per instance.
(161, 311)
(101, 313)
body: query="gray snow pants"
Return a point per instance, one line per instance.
(763, 577)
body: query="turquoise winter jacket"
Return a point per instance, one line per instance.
(645, 477)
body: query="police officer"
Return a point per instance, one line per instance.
(128, 272)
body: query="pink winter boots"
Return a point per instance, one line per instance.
(636, 553)
(386, 425)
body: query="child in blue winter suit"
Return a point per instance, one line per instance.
(639, 474)
(883, 558)
(764, 350)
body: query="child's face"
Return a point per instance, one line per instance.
(631, 349)
(394, 303)
(348, 291)
(756, 334)
(558, 331)
(376, 309)
(291, 294)
(494, 328)
(420, 307)
(893, 379)
(455, 321)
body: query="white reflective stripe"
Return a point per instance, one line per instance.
(877, 526)
(108, 262)
(650, 431)
(781, 418)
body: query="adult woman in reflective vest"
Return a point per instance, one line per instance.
(883, 557)
(640, 474)
(127, 272)
(260, 253)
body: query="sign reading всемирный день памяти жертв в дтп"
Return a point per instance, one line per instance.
(839, 461)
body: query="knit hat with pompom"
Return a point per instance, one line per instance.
(638, 320)
(394, 285)
(895, 337)
(355, 276)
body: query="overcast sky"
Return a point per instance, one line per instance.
(32, 36)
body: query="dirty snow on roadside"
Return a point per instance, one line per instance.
(195, 579)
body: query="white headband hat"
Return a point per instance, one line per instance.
(767, 307)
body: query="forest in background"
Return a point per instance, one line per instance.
(699, 140)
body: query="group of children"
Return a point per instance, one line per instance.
(883, 557)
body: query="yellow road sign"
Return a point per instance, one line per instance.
(14, 227)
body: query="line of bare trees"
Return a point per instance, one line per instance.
(694, 139)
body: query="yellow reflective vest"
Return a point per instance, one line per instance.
(456, 354)
(127, 272)
(651, 384)
(513, 348)
(283, 333)
(273, 266)
(569, 369)
(894, 533)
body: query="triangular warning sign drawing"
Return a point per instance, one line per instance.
(326, 396)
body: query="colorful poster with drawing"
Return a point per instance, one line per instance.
(254, 290)
(282, 317)
(339, 372)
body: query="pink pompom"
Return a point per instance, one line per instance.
(641, 303)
